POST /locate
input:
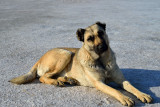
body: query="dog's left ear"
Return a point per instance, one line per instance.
(103, 25)
(80, 34)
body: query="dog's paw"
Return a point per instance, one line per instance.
(71, 81)
(60, 83)
(126, 101)
(145, 98)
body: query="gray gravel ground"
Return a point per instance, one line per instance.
(28, 28)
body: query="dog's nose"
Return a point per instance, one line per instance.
(100, 46)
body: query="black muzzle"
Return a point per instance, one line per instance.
(99, 49)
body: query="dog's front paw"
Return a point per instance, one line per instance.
(145, 98)
(126, 101)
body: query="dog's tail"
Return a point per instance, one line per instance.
(26, 78)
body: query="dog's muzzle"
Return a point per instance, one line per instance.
(99, 49)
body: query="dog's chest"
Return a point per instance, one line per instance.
(98, 71)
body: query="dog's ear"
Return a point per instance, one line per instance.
(80, 34)
(103, 25)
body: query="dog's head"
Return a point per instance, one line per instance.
(94, 37)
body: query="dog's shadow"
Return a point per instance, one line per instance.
(144, 80)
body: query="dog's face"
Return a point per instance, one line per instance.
(94, 37)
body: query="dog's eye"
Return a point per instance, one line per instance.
(100, 33)
(91, 38)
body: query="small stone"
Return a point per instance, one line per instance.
(106, 100)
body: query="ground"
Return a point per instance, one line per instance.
(28, 28)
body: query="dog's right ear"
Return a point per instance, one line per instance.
(80, 34)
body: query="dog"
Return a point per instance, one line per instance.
(93, 65)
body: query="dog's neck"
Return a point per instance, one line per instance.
(86, 57)
(109, 60)
(105, 56)
(91, 55)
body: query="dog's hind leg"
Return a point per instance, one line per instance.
(59, 81)
(56, 68)
(47, 78)
(51, 81)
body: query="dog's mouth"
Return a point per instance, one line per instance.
(101, 48)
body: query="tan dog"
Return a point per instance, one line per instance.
(94, 65)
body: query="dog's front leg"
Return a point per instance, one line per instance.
(118, 77)
(109, 90)
(140, 95)
(126, 101)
